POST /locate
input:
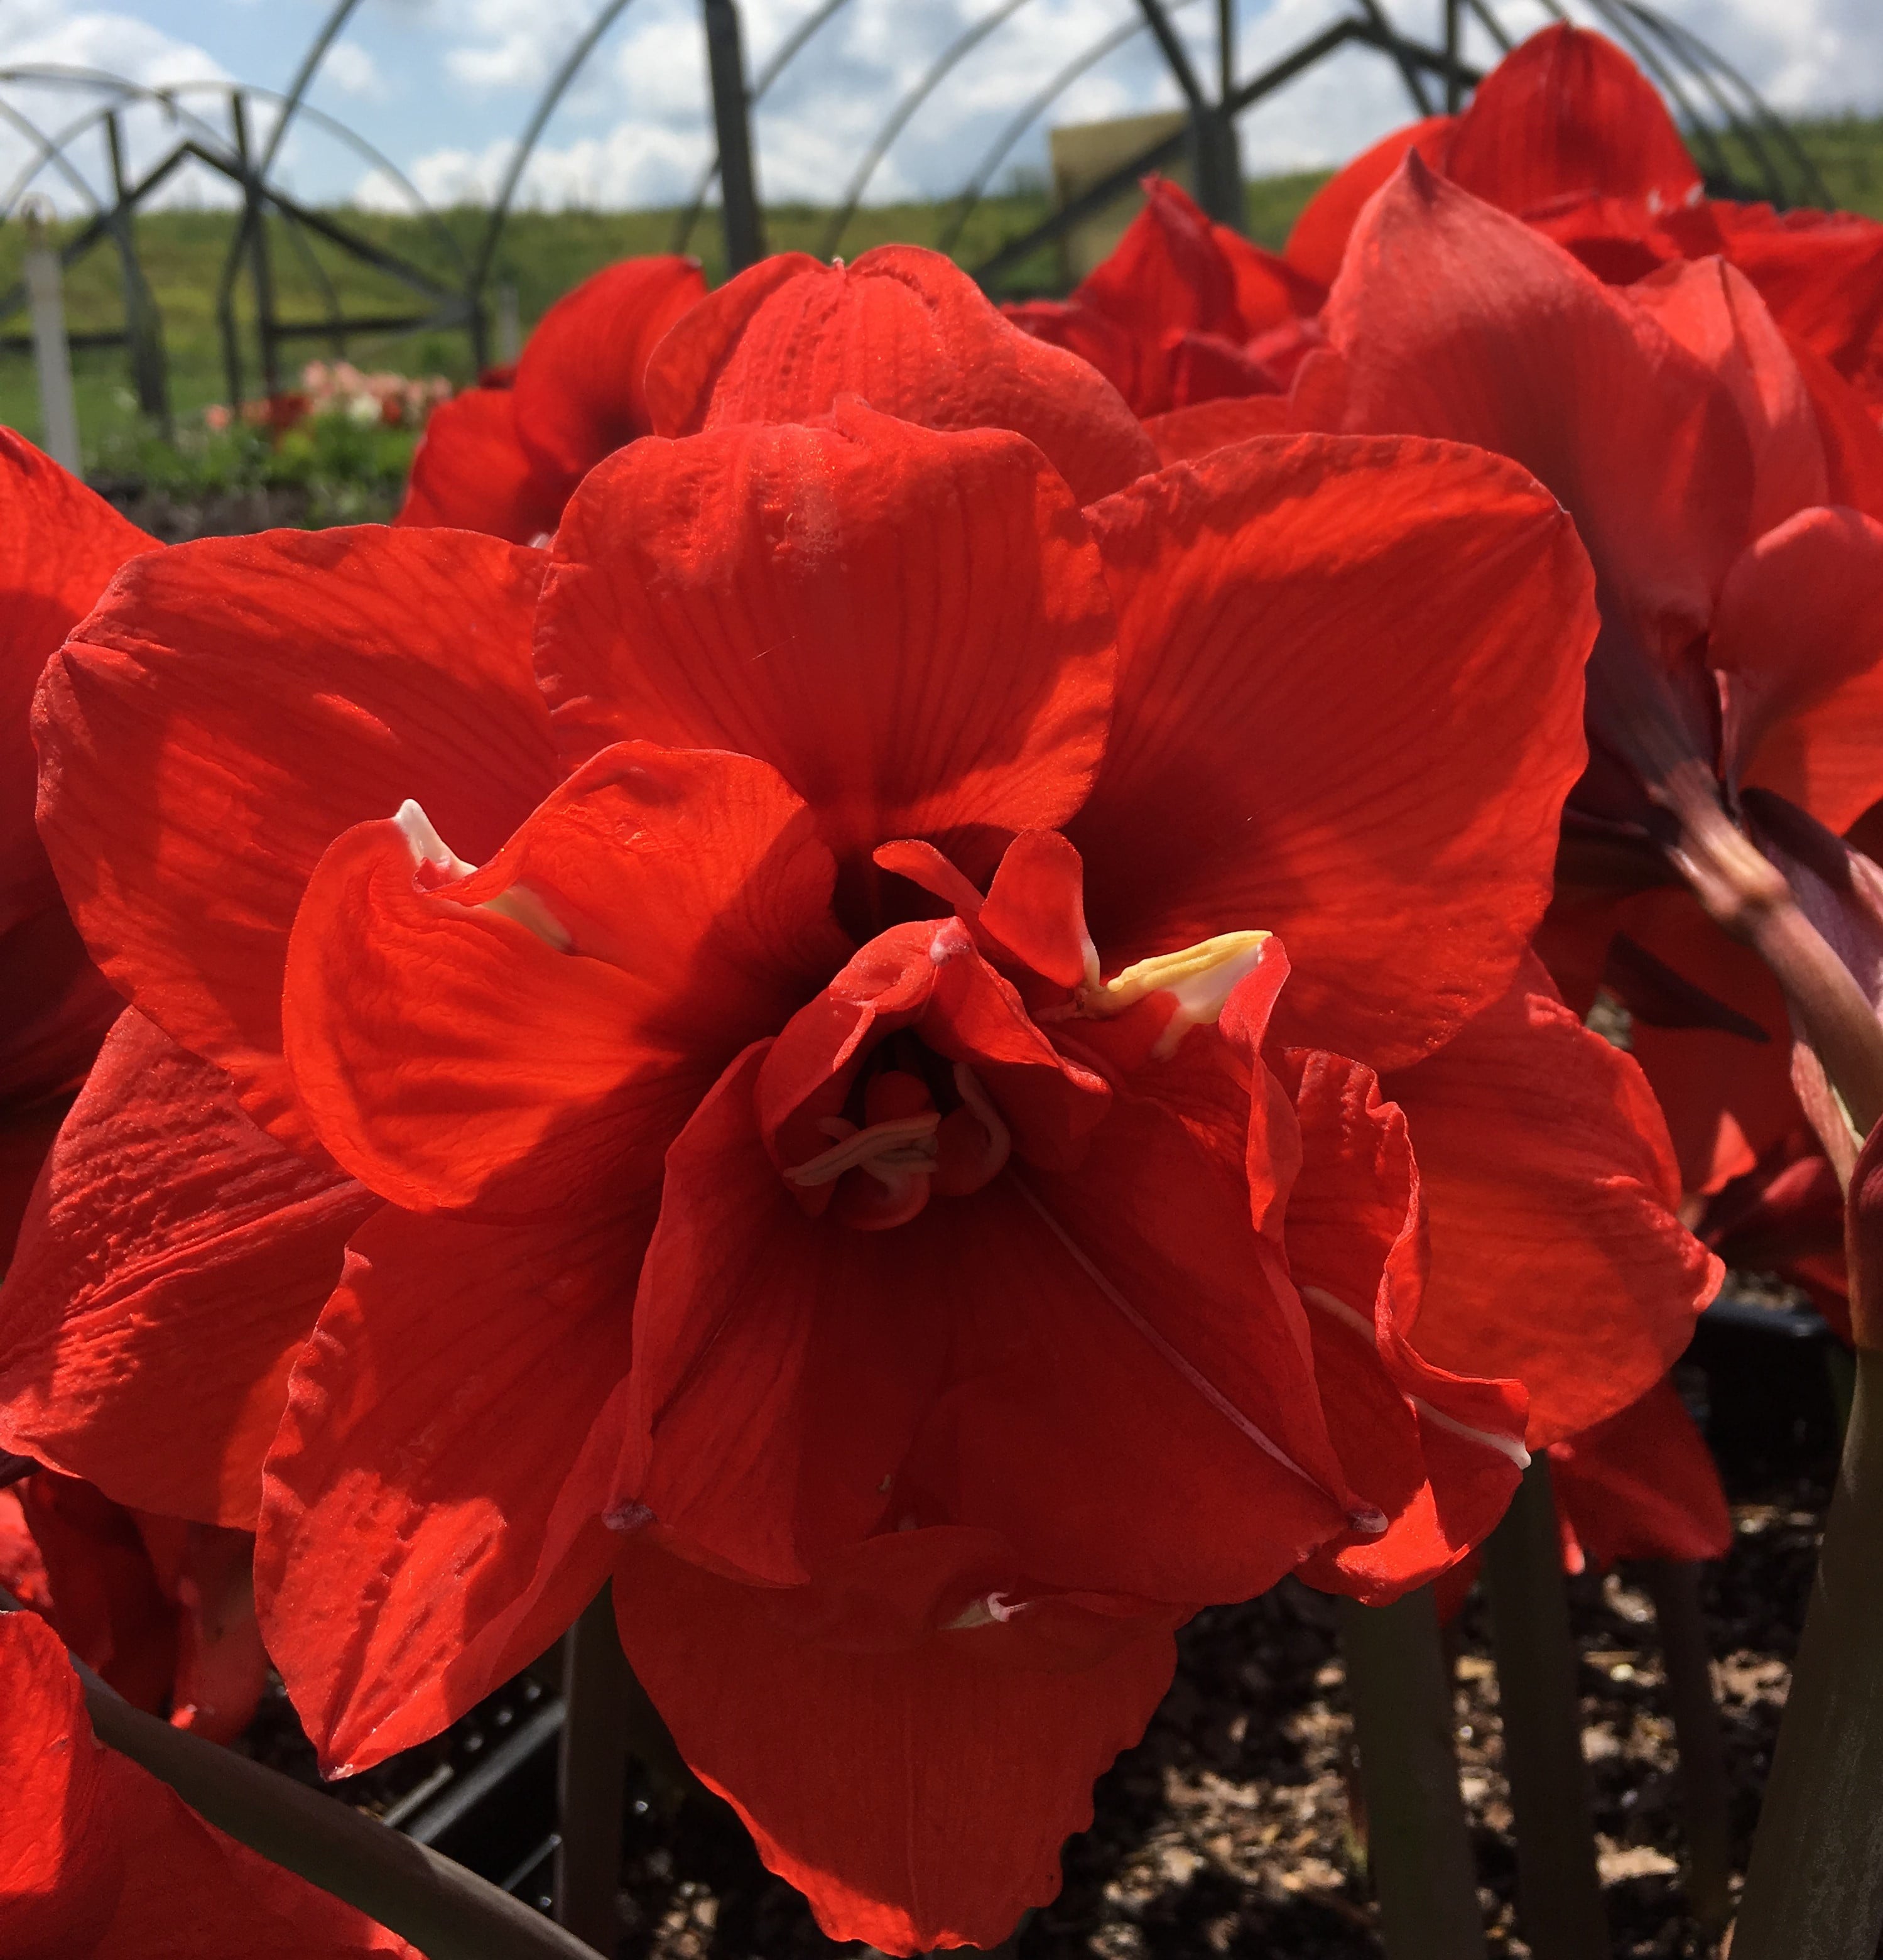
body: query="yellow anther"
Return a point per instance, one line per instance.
(1199, 979)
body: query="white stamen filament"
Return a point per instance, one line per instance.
(426, 847)
(889, 1152)
(1509, 1447)
(1000, 1137)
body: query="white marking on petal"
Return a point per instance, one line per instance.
(1187, 1369)
(1510, 1446)
(428, 849)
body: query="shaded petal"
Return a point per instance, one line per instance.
(580, 387)
(912, 628)
(1457, 320)
(1643, 1485)
(1800, 630)
(107, 1601)
(175, 1259)
(176, 728)
(451, 1056)
(433, 1506)
(469, 472)
(1551, 1186)
(1290, 612)
(59, 545)
(918, 1796)
(1821, 274)
(1568, 114)
(98, 1859)
(910, 333)
(1716, 314)
(1187, 433)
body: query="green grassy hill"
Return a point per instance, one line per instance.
(543, 254)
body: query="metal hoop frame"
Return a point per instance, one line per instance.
(1714, 104)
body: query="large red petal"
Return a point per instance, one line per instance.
(452, 1056)
(1457, 320)
(1800, 629)
(180, 729)
(99, 1861)
(781, 1362)
(1318, 242)
(911, 627)
(1348, 711)
(470, 472)
(1134, 1408)
(1556, 1256)
(175, 1259)
(912, 334)
(433, 1506)
(1567, 115)
(59, 545)
(917, 1796)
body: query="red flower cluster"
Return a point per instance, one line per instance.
(916, 1038)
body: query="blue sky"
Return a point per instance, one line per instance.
(441, 86)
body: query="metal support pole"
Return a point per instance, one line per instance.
(1418, 1844)
(738, 189)
(1213, 135)
(509, 325)
(1558, 1894)
(261, 271)
(1224, 49)
(143, 324)
(1454, 82)
(58, 410)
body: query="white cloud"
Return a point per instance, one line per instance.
(49, 33)
(352, 69)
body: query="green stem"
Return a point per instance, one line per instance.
(596, 1688)
(1687, 1661)
(1559, 1891)
(1418, 1848)
(448, 1913)
(1815, 1891)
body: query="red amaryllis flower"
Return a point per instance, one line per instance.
(59, 544)
(1184, 310)
(162, 1609)
(1787, 1215)
(1076, 1346)
(1742, 596)
(97, 1858)
(1567, 134)
(504, 457)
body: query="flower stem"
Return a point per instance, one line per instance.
(447, 1912)
(1815, 1888)
(1418, 1849)
(1687, 1660)
(1559, 1892)
(597, 1733)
